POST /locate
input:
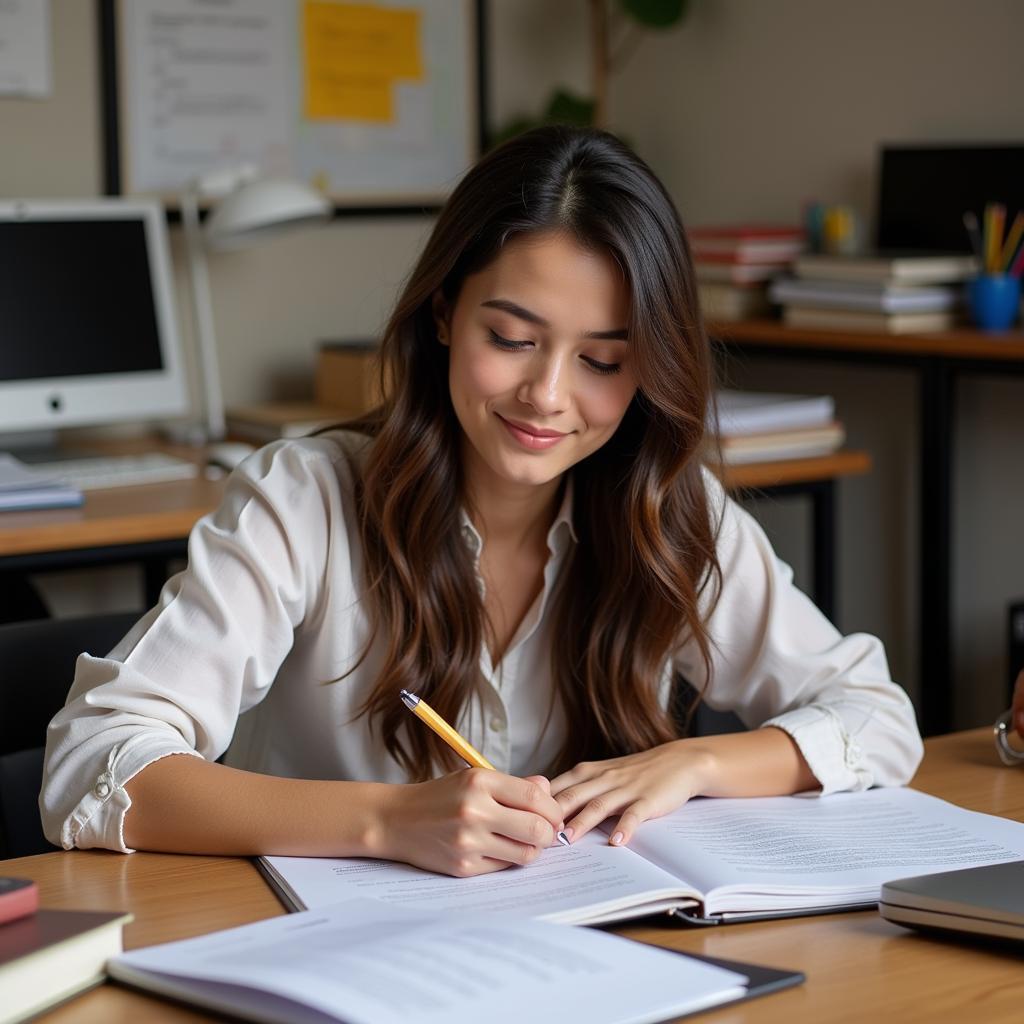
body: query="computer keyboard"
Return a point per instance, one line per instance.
(93, 472)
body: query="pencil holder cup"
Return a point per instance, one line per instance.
(994, 300)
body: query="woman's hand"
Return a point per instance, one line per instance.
(469, 822)
(761, 762)
(635, 787)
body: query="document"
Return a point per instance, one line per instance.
(721, 859)
(364, 962)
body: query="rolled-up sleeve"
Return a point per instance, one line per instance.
(209, 650)
(777, 661)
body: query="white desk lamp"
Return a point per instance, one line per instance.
(250, 210)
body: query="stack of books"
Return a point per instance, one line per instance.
(47, 956)
(756, 426)
(735, 264)
(22, 487)
(883, 293)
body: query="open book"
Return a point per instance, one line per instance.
(711, 859)
(363, 962)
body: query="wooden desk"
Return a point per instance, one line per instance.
(858, 966)
(814, 478)
(938, 360)
(147, 523)
(150, 524)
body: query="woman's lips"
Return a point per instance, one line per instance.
(532, 438)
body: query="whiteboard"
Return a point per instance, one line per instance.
(374, 103)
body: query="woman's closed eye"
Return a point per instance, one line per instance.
(509, 345)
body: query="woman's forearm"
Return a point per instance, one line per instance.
(181, 804)
(762, 762)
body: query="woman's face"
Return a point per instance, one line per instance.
(540, 373)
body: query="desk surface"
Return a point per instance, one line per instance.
(118, 515)
(168, 511)
(960, 343)
(858, 966)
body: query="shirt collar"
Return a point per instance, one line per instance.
(563, 523)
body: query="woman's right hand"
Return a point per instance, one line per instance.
(470, 822)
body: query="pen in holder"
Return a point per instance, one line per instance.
(994, 300)
(994, 295)
(1008, 754)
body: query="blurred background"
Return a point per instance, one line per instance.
(747, 110)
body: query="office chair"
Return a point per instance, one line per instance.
(38, 660)
(705, 721)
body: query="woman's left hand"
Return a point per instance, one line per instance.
(635, 787)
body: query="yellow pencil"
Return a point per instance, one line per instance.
(995, 215)
(426, 714)
(1012, 241)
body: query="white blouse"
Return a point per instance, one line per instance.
(242, 649)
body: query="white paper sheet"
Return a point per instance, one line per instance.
(563, 879)
(846, 842)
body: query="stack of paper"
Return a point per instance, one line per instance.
(22, 487)
(763, 427)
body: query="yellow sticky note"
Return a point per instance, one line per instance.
(354, 54)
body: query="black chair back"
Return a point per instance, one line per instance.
(37, 663)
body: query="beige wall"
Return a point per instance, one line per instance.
(746, 110)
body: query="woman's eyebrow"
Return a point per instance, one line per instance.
(508, 306)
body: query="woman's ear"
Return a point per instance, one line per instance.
(442, 317)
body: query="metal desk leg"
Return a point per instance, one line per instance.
(935, 639)
(823, 511)
(822, 494)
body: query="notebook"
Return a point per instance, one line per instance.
(709, 861)
(978, 901)
(362, 962)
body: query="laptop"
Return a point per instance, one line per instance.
(986, 901)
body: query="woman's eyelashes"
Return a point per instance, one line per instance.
(508, 345)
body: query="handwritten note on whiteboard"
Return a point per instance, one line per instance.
(25, 48)
(373, 102)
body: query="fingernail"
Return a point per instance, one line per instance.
(616, 839)
(568, 833)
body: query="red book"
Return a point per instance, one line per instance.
(19, 897)
(747, 243)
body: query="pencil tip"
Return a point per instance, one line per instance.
(564, 839)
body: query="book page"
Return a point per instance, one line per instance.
(367, 963)
(557, 886)
(843, 845)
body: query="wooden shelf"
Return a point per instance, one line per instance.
(961, 343)
(794, 471)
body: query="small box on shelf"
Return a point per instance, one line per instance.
(347, 376)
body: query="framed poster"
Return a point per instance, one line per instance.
(376, 103)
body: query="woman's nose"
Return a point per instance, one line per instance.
(546, 384)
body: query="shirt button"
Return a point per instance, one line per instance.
(102, 789)
(496, 724)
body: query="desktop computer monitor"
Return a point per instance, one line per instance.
(88, 331)
(924, 191)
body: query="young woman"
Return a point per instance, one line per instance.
(524, 535)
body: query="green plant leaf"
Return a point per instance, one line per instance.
(656, 13)
(567, 108)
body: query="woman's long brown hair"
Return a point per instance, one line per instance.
(633, 586)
